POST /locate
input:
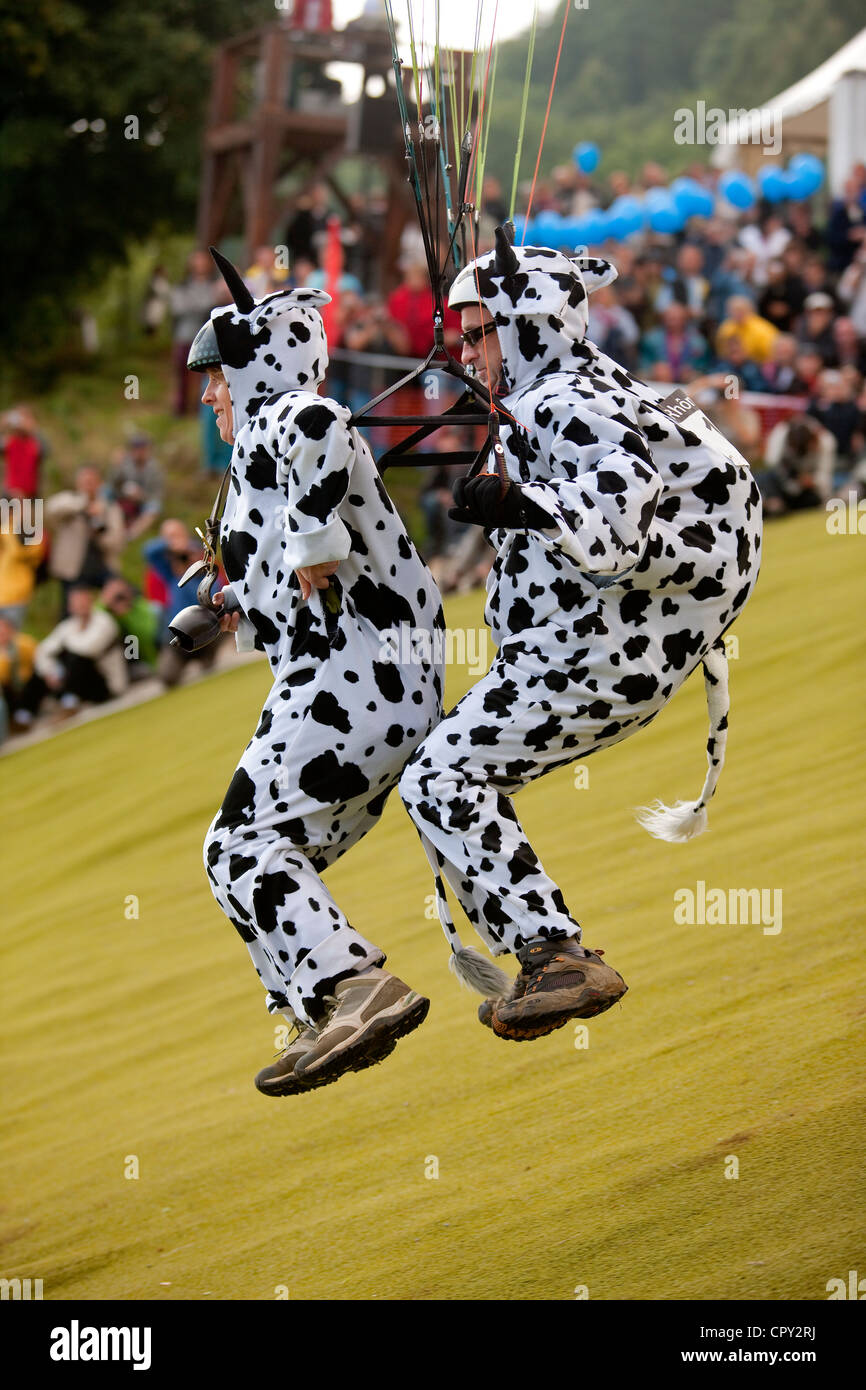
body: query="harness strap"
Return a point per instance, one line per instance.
(210, 537)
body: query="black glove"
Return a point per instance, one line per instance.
(491, 501)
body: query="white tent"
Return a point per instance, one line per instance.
(824, 113)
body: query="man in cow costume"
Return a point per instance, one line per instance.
(627, 534)
(322, 570)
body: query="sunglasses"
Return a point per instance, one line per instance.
(472, 337)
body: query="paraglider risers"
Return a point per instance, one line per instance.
(457, 414)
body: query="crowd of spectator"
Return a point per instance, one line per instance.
(760, 314)
(105, 633)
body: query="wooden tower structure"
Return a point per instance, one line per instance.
(273, 111)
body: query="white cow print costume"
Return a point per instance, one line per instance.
(652, 550)
(339, 721)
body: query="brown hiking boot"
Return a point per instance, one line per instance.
(279, 1078)
(517, 991)
(559, 980)
(485, 1009)
(366, 1015)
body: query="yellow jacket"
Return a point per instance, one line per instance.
(757, 336)
(18, 566)
(20, 654)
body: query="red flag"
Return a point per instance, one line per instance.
(312, 15)
(332, 264)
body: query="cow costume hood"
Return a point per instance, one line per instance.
(268, 346)
(539, 300)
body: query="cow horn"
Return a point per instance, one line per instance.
(232, 276)
(506, 258)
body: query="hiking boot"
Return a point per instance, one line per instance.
(517, 991)
(559, 980)
(485, 1009)
(279, 1078)
(366, 1015)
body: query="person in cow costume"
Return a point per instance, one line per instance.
(322, 570)
(627, 533)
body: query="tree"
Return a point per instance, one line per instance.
(102, 107)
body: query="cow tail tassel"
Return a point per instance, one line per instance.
(686, 819)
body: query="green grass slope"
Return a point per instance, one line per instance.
(558, 1165)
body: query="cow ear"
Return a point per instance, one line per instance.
(232, 276)
(309, 297)
(596, 273)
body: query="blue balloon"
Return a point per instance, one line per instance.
(704, 202)
(543, 228)
(807, 161)
(660, 211)
(737, 188)
(772, 184)
(808, 171)
(691, 199)
(683, 192)
(586, 156)
(595, 227)
(622, 219)
(664, 215)
(628, 213)
(798, 186)
(567, 234)
(655, 198)
(549, 229)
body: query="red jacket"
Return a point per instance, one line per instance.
(414, 309)
(23, 453)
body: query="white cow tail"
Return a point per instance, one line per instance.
(686, 819)
(470, 967)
